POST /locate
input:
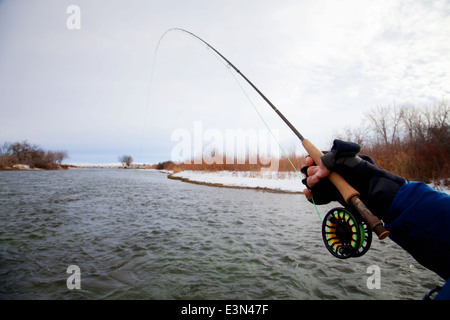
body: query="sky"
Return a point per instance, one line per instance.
(92, 83)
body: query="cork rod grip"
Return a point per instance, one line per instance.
(346, 190)
(350, 194)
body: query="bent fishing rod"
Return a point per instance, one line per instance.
(350, 195)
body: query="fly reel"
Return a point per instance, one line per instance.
(345, 233)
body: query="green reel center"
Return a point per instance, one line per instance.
(345, 233)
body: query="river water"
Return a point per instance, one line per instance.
(134, 234)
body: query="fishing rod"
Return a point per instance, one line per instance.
(334, 220)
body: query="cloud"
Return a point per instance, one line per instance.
(351, 55)
(323, 63)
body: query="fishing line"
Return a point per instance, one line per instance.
(273, 136)
(149, 89)
(230, 66)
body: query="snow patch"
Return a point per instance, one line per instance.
(276, 181)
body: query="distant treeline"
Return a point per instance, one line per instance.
(411, 141)
(224, 164)
(31, 155)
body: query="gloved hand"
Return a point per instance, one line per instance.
(376, 185)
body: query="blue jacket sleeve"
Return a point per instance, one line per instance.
(419, 222)
(444, 294)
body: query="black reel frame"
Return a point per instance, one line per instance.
(345, 233)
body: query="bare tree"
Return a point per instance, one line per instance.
(386, 122)
(441, 114)
(126, 160)
(359, 134)
(60, 156)
(412, 120)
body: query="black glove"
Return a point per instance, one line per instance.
(377, 186)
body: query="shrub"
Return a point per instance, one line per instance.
(31, 155)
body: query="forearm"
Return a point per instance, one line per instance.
(419, 222)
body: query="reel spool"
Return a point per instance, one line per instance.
(345, 233)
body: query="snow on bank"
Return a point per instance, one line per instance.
(272, 181)
(440, 186)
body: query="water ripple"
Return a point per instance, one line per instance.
(137, 235)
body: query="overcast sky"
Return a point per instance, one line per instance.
(323, 63)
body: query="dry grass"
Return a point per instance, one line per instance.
(275, 164)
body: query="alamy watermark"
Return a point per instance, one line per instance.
(230, 146)
(73, 21)
(374, 281)
(74, 280)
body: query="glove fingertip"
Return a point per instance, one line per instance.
(305, 182)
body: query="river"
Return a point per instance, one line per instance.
(134, 234)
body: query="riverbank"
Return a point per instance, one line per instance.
(282, 182)
(25, 167)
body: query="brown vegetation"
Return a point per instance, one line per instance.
(24, 153)
(126, 160)
(234, 165)
(411, 141)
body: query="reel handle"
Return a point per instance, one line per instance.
(350, 194)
